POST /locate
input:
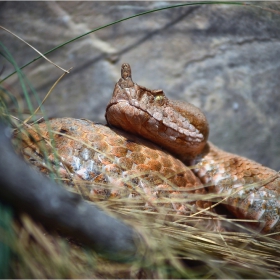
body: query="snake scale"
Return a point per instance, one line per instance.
(116, 161)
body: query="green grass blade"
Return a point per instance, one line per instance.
(127, 18)
(6, 219)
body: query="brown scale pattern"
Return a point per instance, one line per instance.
(96, 154)
(114, 159)
(252, 191)
(248, 189)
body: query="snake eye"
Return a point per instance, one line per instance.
(159, 97)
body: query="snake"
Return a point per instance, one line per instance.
(156, 148)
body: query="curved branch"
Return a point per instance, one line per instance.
(55, 207)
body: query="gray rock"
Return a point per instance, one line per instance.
(222, 58)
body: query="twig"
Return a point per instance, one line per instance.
(34, 49)
(55, 207)
(47, 95)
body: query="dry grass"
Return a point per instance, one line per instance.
(173, 251)
(174, 248)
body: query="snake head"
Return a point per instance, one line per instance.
(179, 127)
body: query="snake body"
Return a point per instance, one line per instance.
(109, 156)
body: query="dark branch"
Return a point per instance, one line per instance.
(55, 207)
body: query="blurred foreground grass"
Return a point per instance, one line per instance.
(173, 250)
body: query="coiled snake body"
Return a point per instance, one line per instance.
(134, 166)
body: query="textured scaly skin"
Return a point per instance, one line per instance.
(179, 127)
(114, 159)
(248, 189)
(252, 191)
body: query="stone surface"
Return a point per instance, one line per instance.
(222, 58)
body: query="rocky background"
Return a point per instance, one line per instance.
(225, 59)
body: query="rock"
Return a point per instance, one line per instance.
(222, 58)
